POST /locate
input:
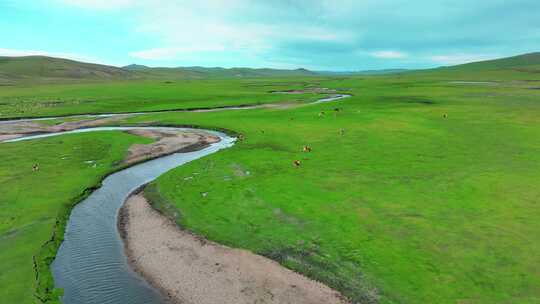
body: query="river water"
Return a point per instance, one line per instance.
(91, 265)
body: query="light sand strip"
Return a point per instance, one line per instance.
(192, 270)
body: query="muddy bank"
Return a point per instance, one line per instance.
(305, 91)
(167, 142)
(100, 116)
(21, 128)
(192, 270)
(474, 82)
(4, 137)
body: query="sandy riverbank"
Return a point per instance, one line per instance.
(167, 142)
(192, 270)
(20, 128)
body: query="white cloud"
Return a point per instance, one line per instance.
(184, 29)
(169, 53)
(454, 59)
(100, 4)
(307, 32)
(213, 26)
(389, 54)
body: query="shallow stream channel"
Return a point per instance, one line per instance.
(91, 265)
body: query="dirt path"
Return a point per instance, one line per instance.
(191, 270)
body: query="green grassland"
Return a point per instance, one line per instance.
(30, 100)
(420, 189)
(34, 204)
(405, 207)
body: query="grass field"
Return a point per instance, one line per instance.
(420, 189)
(31, 202)
(32, 100)
(406, 207)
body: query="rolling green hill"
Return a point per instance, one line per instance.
(521, 67)
(526, 62)
(47, 68)
(216, 72)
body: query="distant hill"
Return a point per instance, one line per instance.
(48, 68)
(135, 67)
(41, 68)
(216, 72)
(525, 66)
(527, 62)
(365, 72)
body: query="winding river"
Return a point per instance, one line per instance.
(223, 108)
(91, 265)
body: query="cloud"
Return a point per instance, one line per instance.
(169, 53)
(389, 54)
(100, 4)
(454, 59)
(352, 34)
(221, 26)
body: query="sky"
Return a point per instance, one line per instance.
(337, 35)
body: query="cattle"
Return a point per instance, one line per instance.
(296, 163)
(35, 167)
(306, 149)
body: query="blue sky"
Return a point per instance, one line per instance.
(314, 34)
